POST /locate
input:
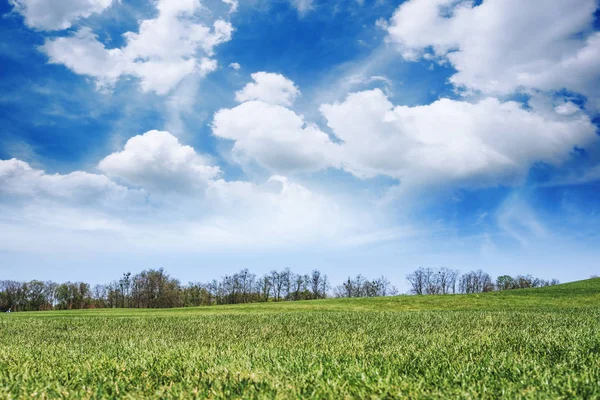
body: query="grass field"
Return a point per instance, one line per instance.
(532, 343)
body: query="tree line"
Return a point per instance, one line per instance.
(155, 288)
(449, 281)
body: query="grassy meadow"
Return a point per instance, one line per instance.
(529, 343)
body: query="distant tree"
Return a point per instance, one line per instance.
(319, 284)
(156, 289)
(359, 286)
(299, 286)
(99, 296)
(418, 281)
(36, 296)
(50, 293)
(214, 290)
(64, 297)
(286, 280)
(505, 282)
(476, 282)
(12, 295)
(125, 289)
(277, 284)
(265, 286)
(523, 281)
(73, 295)
(445, 280)
(433, 281)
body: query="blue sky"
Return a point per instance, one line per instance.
(352, 136)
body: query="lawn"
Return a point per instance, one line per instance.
(531, 343)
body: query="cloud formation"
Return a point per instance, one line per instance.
(270, 88)
(233, 5)
(484, 143)
(500, 46)
(275, 137)
(158, 162)
(57, 15)
(166, 197)
(20, 181)
(165, 49)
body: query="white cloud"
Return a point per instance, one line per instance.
(266, 132)
(164, 50)
(235, 66)
(19, 179)
(567, 108)
(275, 137)
(157, 162)
(57, 15)
(48, 212)
(270, 88)
(500, 46)
(277, 211)
(447, 142)
(361, 81)
(34, 200)
(233, 5)
(483, 143)
(382, 23)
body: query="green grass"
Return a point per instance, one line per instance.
(537, 343)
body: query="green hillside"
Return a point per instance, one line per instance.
(530, 343)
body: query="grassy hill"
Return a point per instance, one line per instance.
(532, 343)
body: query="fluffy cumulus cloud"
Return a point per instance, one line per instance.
(158, 162)
(488, 142)
(275, 137)
(270, 88)
(159, 194)
(165, 49)
(20, 181)
(57, 15)
(500, 46)
(268, 133)
(481, 143)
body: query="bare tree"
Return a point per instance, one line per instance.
(277, 284)
(319, 284)
(476, 282)
(445, 280)
(265, 287)
(359, 286)
(418, 281)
